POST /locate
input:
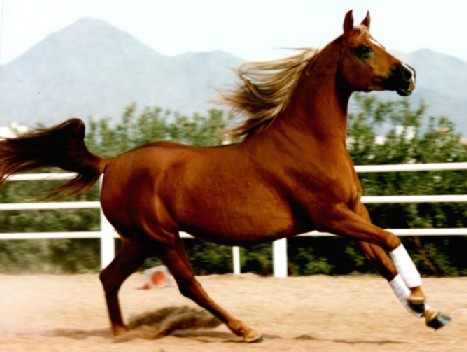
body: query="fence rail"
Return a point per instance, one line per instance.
(107, 234)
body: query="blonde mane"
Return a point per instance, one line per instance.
(265, 90)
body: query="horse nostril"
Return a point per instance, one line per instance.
(407, 74)
(401, 79)
(402, 73)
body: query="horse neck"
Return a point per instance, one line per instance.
(318, 108)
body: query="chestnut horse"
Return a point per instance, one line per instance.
(291, 173)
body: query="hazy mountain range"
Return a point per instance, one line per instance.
(93, 69)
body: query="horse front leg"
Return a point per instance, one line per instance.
(126, 262)
(401, 273)
(174, 257)
(411, 297)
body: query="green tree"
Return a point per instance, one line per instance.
(378, 133)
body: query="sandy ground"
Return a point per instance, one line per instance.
(49, 313)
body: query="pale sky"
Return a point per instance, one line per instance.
(249, 29)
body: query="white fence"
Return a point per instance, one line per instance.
(107, 233)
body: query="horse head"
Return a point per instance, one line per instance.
(365, 65)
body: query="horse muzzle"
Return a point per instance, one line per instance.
(402, 79)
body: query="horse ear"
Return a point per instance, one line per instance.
(348, 22)
(366, 20)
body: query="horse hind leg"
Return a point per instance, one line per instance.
(126, 262)
(174, 257)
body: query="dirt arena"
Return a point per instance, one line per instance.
(49, 313)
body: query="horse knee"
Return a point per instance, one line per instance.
(379, 260)
(392, 242)
(385, 270)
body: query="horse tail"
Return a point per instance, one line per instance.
(62, 146)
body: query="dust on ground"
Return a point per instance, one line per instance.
(47, 313)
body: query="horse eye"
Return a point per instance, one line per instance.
(363, 52)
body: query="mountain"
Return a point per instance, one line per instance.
(91, 68)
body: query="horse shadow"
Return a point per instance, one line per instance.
(203, 336)
(349, 342)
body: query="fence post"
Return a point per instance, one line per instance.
(107, 241)
(236, 260)
(280, 258)
(107, 238)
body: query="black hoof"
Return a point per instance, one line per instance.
(438, 321)
(258, 340)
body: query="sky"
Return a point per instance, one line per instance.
(249, 29)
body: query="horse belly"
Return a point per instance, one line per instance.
(236, 222)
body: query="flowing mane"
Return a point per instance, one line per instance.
(265, 89)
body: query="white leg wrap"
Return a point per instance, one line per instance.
(402, 292)
(405, 267)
